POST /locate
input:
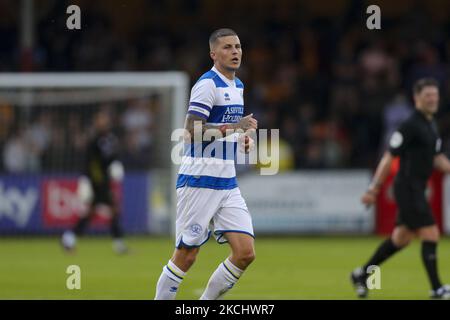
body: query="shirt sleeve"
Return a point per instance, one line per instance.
(202, 98)
(401, 139)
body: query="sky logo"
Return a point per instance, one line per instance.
(173, 289)
(17, 203)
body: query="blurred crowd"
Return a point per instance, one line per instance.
(335, 89)
(54, 139)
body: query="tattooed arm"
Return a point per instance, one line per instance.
(192, 121)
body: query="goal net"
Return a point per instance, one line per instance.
(45, 124)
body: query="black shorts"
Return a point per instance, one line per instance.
(102, 195)
(413, 209)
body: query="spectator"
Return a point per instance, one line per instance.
(15, 155)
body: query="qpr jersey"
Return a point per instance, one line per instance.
(219, 101)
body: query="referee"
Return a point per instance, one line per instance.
(418, 145)
(94, 187)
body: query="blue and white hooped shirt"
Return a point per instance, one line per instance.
(211, 165)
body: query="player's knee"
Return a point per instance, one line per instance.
(246, 257)
(437, 234)
(402, 242)
(184, 258)
(402, 237)
(431, 236)
(190, 258)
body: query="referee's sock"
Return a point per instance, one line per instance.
(222, 280)
(384, 251)
(169, 281)
(429, 258)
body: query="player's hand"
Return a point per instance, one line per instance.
(369, 197)
(247, 123)
(246, 143)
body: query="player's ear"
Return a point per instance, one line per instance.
(212, 54)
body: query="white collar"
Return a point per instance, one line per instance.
(231, 83)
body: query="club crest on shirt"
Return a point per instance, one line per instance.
(196, 229)
(396, 140)
(227, 96)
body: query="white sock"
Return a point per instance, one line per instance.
(119, 245)
(222, 280)
(168, 282)
(69, 239)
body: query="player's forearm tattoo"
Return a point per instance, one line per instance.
(192, 121)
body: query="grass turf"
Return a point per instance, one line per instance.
(285, 268)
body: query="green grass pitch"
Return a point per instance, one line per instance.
(285, 268)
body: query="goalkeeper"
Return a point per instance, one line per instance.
(94, 187)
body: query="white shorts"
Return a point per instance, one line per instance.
(201, 211)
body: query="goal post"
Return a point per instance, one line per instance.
(70, 99)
